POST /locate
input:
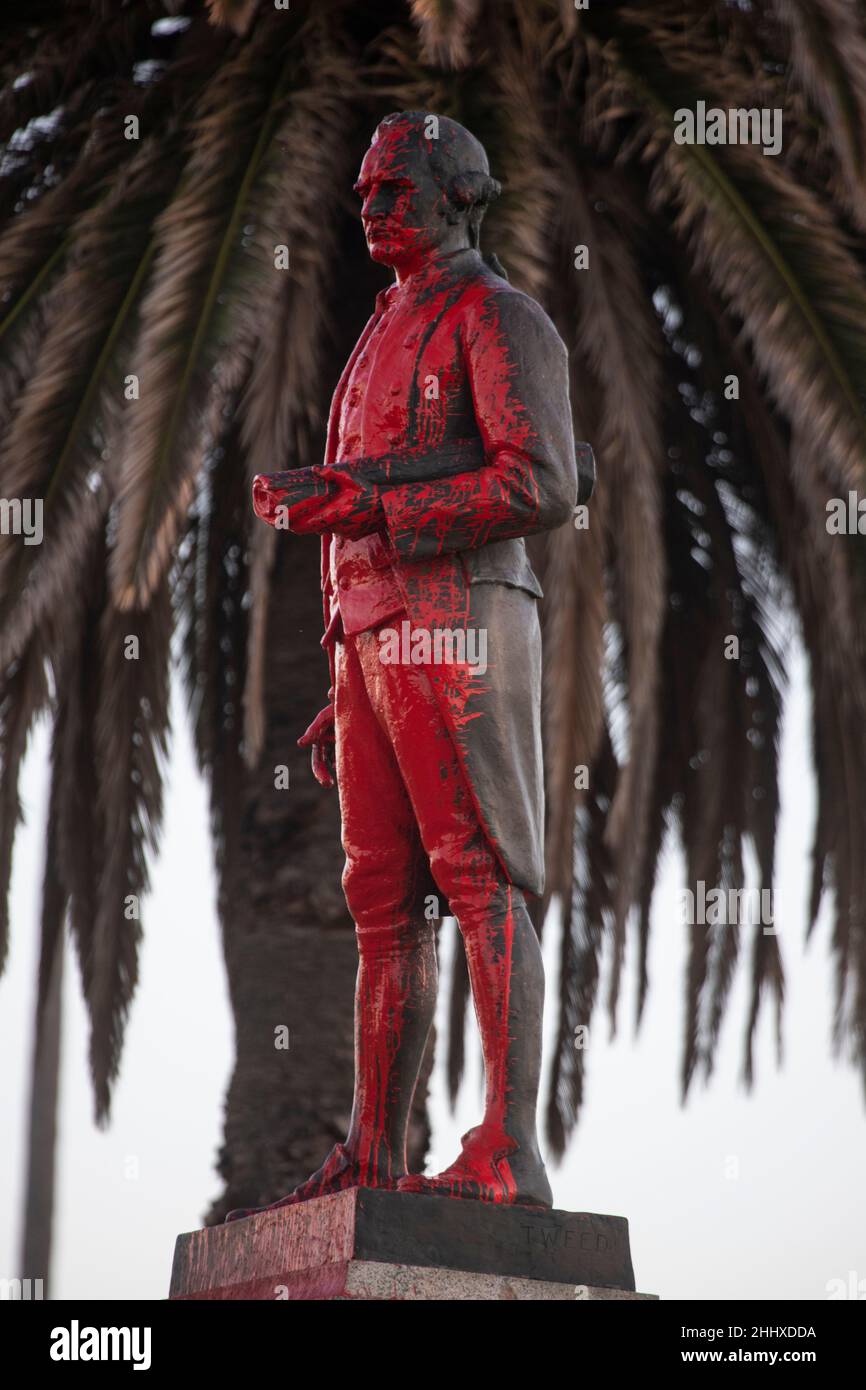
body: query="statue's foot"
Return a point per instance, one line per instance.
(492, 1167)
(339, 1171)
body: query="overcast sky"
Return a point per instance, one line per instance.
(733, 1197)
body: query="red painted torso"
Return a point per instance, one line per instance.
(388, 402)
(362, 579)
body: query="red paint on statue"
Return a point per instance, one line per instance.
(453, 365)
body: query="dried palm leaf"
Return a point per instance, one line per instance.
(580, 955)
(284, 397)
(827, 58)
(236, 15)
(773, 253)
(69, 415)
(131, 729)
(445, 26)
(23, 694)
(200, 280)
(622, 343)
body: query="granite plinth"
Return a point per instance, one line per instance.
(367, 1243)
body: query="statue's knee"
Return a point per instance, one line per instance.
(385, 907)
(394, 937)
(480, 908)
(359, 888)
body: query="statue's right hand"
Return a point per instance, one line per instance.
(321, 739)
(268, 494)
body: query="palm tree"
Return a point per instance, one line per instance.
(156, 355)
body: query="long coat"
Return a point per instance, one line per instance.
(481, 362)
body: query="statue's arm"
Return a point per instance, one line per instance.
(518, 373)
(519, 477)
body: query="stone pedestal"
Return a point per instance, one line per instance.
(370, 1244)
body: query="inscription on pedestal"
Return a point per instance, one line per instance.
(564, 1237)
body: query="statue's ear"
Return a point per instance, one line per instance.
(468, 189)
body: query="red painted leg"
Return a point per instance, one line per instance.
(394, 1002)
(395, 996)
(500, 1161)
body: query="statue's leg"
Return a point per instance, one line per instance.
(385, 878)
(500, 1161)
(507, 978)
(395, 1001)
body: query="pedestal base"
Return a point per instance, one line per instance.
(370, 1244)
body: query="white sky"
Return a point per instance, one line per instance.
(792, 1220)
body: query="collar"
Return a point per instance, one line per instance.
(455, 262)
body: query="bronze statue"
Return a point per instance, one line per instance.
(449, 440)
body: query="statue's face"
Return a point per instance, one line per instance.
(402, 206)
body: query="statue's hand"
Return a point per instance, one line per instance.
(270, 492)
(320, 739)
(342, 501)
(312, 500)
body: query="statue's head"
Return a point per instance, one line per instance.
(425, 185)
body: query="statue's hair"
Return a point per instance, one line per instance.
(475, 191)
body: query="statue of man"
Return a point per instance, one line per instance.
(449, 439)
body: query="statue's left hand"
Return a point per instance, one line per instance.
(320, 739)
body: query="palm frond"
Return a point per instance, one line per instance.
(130, 742)
(284, 399)
(67, 423)
(23, 694)
(622, 342)
(589, 919)
(190, 309)
(827, 54)
(54, 904)
(211, 589)
(74, 634)
(773, 253)
(445, 27)
(51, 60)
(236, 15)
(34, 244)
